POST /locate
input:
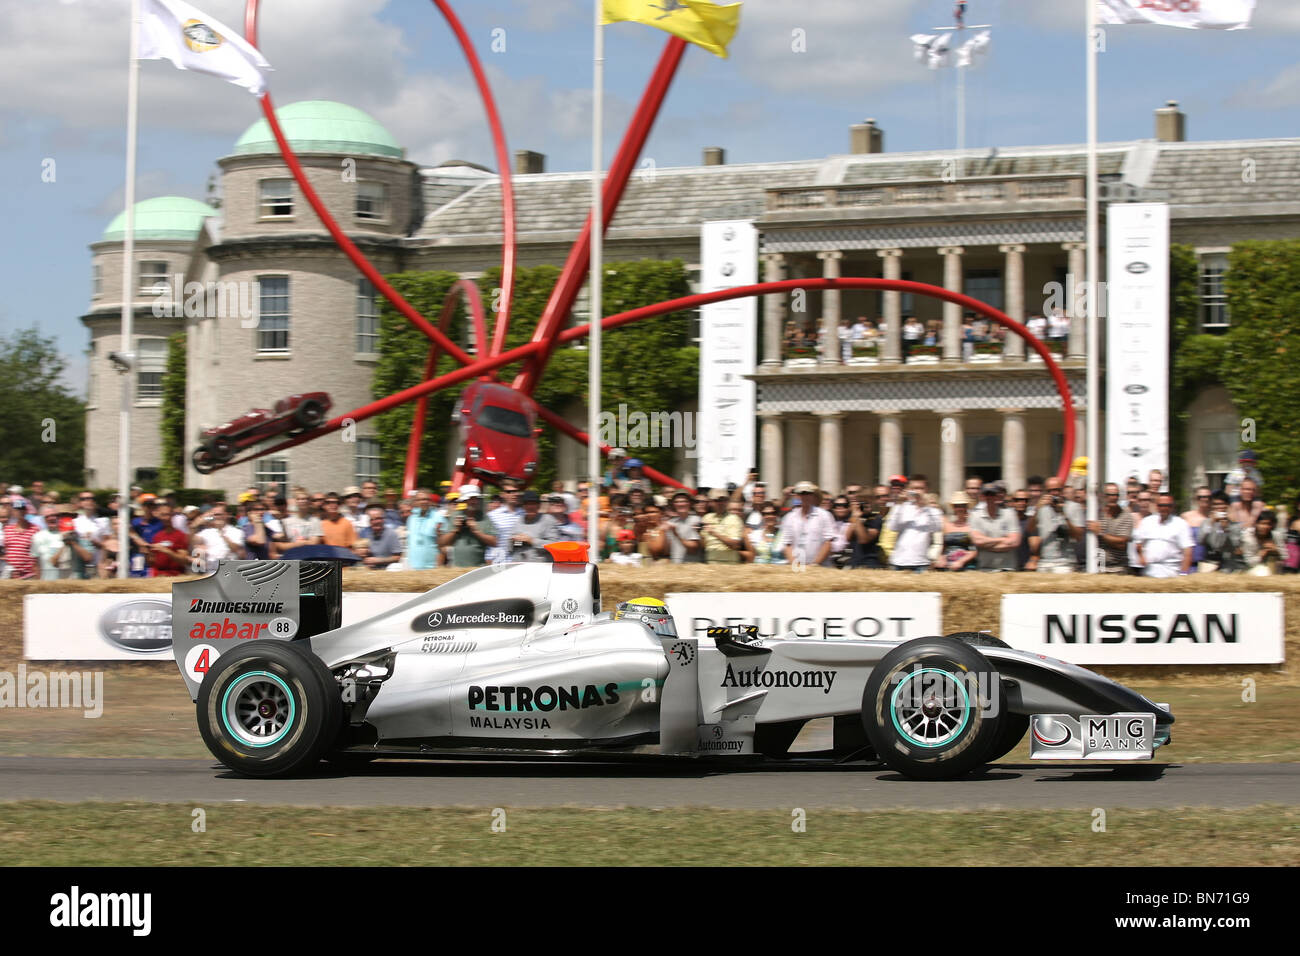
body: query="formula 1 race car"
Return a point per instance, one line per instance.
(294, 415)
(518, 660)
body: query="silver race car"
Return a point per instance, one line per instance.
(519, 660)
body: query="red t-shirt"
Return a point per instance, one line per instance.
(164, 564)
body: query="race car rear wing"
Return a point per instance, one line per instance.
(251, 600)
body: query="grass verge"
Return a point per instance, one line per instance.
(135, 834)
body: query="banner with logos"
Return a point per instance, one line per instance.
(832, 616)
(135, 627)
(1137, 340)
(728, 352)
(1147, 628)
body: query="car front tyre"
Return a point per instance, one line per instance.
(268, 709)
(309, 414)
(932, 708)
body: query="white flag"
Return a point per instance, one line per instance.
(192, 40)
(1192, 14)
(976, 44)
(937, 52)
(921, 44)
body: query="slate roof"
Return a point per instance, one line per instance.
(677, 200)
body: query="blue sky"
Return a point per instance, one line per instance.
(63, 67)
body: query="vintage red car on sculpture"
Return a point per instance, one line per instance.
(498, 433)
(293, 415)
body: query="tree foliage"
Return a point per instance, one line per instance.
(1259, 367)
(1194, 358)
(649, 365)
(171, 470)
(43, 429)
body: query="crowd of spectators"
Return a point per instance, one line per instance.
(864, 337)
(899, 525)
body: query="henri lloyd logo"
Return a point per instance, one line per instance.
(514, 613)
(75, 909)
(568, 610)
(758, 677)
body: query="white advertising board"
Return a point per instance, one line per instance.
(1137, 340)
(728, 351)
(135, 627)
(1147, 628)
(836, 615)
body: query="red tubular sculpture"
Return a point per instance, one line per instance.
(486, 365)
(549, 332)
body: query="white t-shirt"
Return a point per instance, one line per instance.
(1163, 544)
(216, 547)
(1037, 326)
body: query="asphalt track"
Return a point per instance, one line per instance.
(654, 783)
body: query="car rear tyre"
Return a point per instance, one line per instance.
(202, 461)
(269, 709)
(309, 414)
(932, 708)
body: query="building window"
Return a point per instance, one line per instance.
(269, 471)
(277, 198)
(368, 460)
(1219, 455)
(151, 362)
(372, 202)
(273, 314)
(1214, 300)
(367, 318)
(985, 285)
(154, 278)
(96, 281)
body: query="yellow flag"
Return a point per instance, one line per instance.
(695, 21)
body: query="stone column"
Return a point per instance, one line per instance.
(772, 442)
(830, 451)
(891, 446)
(951, 310)
(1013, 277)
(1013, 447)
(774, 310)
(830, 307)
(892, 268)
(802, 432)
(1078, 341)
(952, 452)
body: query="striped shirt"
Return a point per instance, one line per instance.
(18, 550)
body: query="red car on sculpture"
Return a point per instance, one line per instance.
(498, 432)
(294, 415)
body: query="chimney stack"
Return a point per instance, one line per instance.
(526, 161)
(1171, 123)
(715, 156)
(866, 137)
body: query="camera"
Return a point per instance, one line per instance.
(122, 361)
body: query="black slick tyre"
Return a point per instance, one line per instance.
(269, 709)
(932, 708)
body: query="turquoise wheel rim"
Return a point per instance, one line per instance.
(930, 711)
(258, 709)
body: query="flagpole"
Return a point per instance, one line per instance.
(128, 303)
(594, 286)
(1090, 278)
